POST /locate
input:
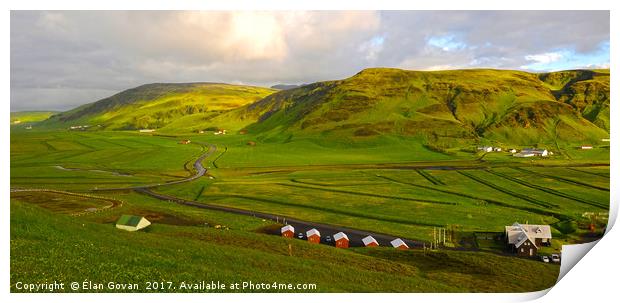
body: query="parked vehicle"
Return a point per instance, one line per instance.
(555, 258)
(544, 259)
(300, 235)
(328, 239)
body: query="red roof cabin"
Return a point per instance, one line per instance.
(314, 236)
(341, 239)
(398, 243)
(287, 231)
(370, 242)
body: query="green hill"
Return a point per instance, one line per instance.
(443, 108)
(30, 116)
(157, 105)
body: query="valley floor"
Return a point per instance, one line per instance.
(404, 197)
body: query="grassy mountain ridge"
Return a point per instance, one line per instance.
(156, 105)
(442, 109)
(501, 105)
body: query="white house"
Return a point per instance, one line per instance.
(586, 147)
(512, 151)
(487, 149)
(497, 149)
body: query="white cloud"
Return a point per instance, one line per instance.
(545, 58)
(86, 52)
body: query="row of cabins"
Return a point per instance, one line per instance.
(341, 240)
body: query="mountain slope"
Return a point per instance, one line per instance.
(157, 105)
(442, 107)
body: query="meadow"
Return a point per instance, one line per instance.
(386, 185)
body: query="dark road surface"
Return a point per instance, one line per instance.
(301, 226)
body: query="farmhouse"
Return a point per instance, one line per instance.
(532, 152)
(369, 241)
(341, 239)
(512, 151)
(525, 239)
(487, 149)
(497, 149)
(314, 236)
(398, 243)
(132, 223)
(287, 231)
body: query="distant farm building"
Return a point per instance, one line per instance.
(185, 141)
(146, 130)
(287, 231)
(132, 223)
(398, 243)
(586, 147)
(532, 152)
(201, 131)
(341, 239)
(497, 149)
(487, 149)
(369, 241)
(220, 132)
(525, 239)
(314, 236)
(29, 127)
(512, 151)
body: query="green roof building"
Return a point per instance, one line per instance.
(132, 223)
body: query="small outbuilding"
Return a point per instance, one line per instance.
(287, 231)
(313, 236)
(586, 147)
(132, 223)
(399, 243)
(369, 241)
(341, 239)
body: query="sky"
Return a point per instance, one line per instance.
(63, 59)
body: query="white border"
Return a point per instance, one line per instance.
(593, 279)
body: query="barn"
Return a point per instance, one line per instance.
(369, 241)
(314, 236)
(398, 243)
(132, 223)
(287, 231)
(341, 239)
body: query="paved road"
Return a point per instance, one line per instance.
(200, 171)
(301, 226)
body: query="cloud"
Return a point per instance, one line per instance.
(545, 58)
(63, 58)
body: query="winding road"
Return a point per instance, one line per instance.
(301, 226)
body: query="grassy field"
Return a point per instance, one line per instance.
(184, 246)
(381, 186)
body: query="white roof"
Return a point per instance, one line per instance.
(288, 227)
(340, 235)
(369, 240)
(313, 232)
(518, 233)
(398, 243)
